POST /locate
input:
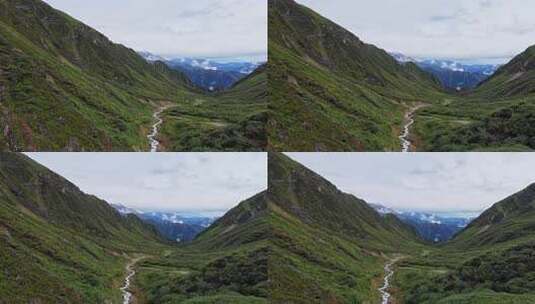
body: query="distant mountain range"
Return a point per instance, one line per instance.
(209, 74)
(174, 226)
(431, 227)
(452, 74)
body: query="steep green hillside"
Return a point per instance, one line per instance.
(507, 220)
(233, 120)
(59, 245)
(64, 86)
(490, 261)
(226, 264)
(496, 116)
(513, 79)
(331, 91)
(328, 246)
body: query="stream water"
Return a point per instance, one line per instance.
(127, 295)
(152, 136)
(389, 272)
(404, 137)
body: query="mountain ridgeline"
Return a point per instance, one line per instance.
(507, 220)
(495, 116)
(515, 78)
(300, 241)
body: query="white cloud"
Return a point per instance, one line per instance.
(462, 29)
(164, 181)
(208, 28)
(442, 182)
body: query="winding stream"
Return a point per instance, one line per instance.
(152, 136)
(127, 295)
(404, 137)
(389, 272)
(409, 121)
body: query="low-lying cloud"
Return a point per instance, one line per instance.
(460, 29)
(439, 182)
(205, 28)
(189, 182)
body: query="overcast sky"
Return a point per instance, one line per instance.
(465, 29)
(440, 182)
(189, 182)
(206, 28)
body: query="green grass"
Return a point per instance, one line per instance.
(227, 262)
(234, 120)
(476, 125)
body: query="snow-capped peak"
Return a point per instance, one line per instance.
(151, 57)
(402, 58)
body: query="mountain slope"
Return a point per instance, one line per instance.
(227, 263)
(495, 116)
(231, 120)
(328, 246)
(507, 220)
(59, 244)
(331, 91)
(490, 261)
(65, 86)
(512, 79)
